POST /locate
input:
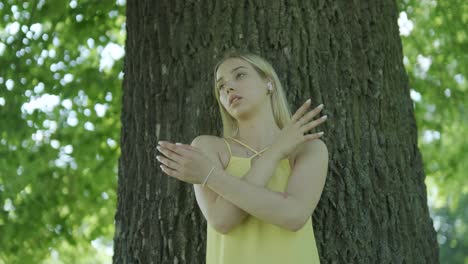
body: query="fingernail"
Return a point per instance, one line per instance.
(308, 100)
(320, 106)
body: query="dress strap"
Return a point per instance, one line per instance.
(229, 147)
(247, 146)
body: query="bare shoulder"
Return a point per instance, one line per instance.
(318, 143)
(313, 146)
(209, 144)
(206, 142)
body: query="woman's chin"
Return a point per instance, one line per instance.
(240, 111)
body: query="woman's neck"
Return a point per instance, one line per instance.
(258, 139)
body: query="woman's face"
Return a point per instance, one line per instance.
(237, 77)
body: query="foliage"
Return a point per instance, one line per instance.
(435, 59)
(60, 110)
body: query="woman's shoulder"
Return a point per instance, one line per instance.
(211, 144)
(209, 141)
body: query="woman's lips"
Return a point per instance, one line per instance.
(236, 100)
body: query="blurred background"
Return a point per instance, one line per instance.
(60, 98)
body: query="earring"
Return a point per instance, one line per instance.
(237, 130)
(270, 89)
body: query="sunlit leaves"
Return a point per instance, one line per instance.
(435, 59)
(59, 105)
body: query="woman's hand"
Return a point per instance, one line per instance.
(184, 162)
(292, 134)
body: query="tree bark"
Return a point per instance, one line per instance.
(345, 54)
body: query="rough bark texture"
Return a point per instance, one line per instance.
(345, 54)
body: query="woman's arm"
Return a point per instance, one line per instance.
(272, 207)
(290, 211)
(219, 212)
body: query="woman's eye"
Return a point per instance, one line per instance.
(237, 76)
(240, 74)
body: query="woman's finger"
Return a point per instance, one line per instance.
(168, 171)
(174, 174)
(172, 147)
(313, 124)
(168, 163)
(300, 111)
(189, 148)
(306, 118)
(171, 154)
(314, 136)
(182, 149)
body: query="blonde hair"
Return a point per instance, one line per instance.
(279, 103)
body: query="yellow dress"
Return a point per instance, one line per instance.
(256, 241)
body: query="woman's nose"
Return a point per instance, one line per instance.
(229, 85)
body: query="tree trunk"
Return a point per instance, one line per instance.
(346, 54)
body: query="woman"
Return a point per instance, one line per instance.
(258, 204)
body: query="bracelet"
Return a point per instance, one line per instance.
(206, 179)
